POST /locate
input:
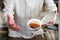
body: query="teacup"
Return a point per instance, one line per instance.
(34, 24)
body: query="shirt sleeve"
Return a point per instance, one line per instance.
(8, 9)
(50, 5)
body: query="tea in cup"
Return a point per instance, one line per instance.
(34, 23)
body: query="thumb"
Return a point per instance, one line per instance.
(8, 16)
(17, 28)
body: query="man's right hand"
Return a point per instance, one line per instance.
(12, 24)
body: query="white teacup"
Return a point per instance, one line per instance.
(34, 24)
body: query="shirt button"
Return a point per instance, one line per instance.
(32, 33)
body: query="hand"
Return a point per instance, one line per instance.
(49, 23)
(12, 24)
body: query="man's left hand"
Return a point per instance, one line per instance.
(49, 23)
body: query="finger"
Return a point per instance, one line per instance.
(10, 25)
(14, 27)
(9, 17)
(51, 22)
(10, 22)
(17, 28)
(48, 24)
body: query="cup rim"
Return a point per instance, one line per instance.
(34, 20)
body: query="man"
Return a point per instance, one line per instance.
(25, 10)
